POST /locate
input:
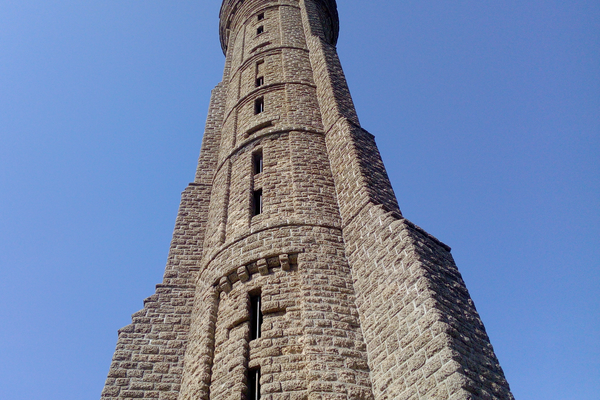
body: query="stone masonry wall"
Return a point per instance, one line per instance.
(200, 350)
(311, 345)
(353, 154)
(212, 137)
(292, 253)
(148, 361)
(423, 334)
(424, 337)
(358, 303)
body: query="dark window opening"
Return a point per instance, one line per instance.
(257, 161)
(260, 30)
(259, 105)
(261, 16)
(254, 384)
(257, 202)
(256, 316)
(260, 73)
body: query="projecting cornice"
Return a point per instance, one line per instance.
(230, 7)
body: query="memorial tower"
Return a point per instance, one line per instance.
(292, 273)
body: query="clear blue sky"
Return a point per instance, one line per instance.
(487, 114)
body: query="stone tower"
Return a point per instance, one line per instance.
(292, 274)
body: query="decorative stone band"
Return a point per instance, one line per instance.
(269, 131)
(263, 266)
(230, 7)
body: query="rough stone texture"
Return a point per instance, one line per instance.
(148, 361)
(357, 302)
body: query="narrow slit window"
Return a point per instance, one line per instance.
(257, 201)
(257, 162)
(260, 73)
(261, 16)
(260, 30)
(254, 384)
(256, 316)
(259, 105)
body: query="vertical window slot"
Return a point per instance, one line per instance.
(261, 16)
(254, 384)
(259, 105)
(256, 316)
(257, 162)
(260, 73)
(257, 202)
(260, 30)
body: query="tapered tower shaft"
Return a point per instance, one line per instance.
(292, 273)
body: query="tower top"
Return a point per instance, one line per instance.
(234, 10)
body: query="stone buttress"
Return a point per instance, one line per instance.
(292, 205)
